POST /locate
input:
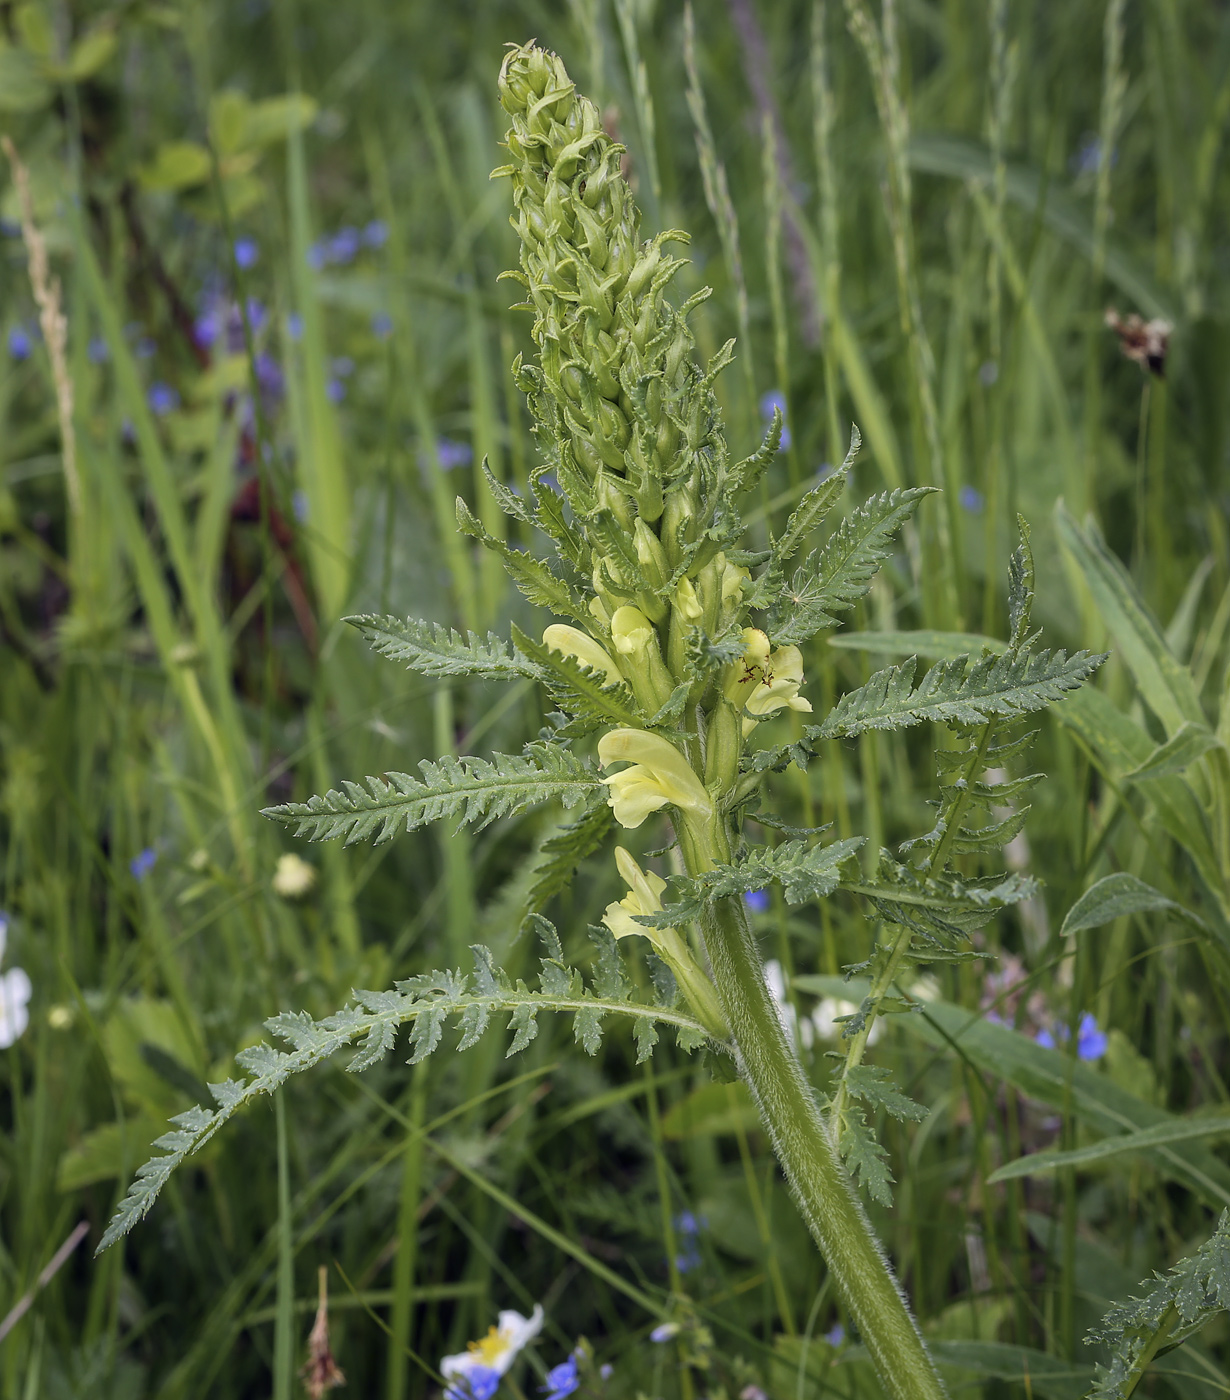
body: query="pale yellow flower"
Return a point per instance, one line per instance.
(580, 645)
(765, 681)
(293, 876)
(686, 601)
(631, 631)
(659, 775)
(644, 897)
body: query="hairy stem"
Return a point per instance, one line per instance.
(801, 1140)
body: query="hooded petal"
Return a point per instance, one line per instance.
(575, 643)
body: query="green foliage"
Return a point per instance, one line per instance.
(424, 1004)
(1178, 1305)
(474, 790)
(442, 652)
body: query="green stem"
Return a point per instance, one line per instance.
(801, 1140)
(858, 1043)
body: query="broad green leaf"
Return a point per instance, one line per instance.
(1047, 1376)
(91, 52)
(712, 1110)
(177, 165)
(23, 88)
(1049, 1076)
(1180, 1130)
(1165, 684)
(1113, 897)
(1184, 747)
(275, 118)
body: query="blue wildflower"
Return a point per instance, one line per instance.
(318, 255)
(143, 863)
(294, 326)
(269, 374)
(343, 366)
(835, 1335)
(1091, 1042)
(562, 1380)
(478, 1383)
(97, 351)
(757, 900)
(208, 327)
(376, 234)
(453, 454)
(145, 348)
(299, 504)
(162, 399)
(664, 1331)
(1045, 1039)
(343, 246)
(382, 325)
(256, 313)
(775, 400)
(20, 343)
(335, 390)
(246, 252)
(971, 499)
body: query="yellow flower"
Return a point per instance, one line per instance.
(644, 897)
(631, 631)
(660, 774)
(765, 681)
(293, 876)
(686, 601)
(575, 643)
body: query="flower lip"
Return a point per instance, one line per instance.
(659, 775)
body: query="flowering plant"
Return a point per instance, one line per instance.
(680, 642)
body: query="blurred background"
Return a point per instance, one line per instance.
(277, 246)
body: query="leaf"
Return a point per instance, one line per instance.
(865, 1159)
(423, 1003)
(834, 578)
(475, 790)
(957, 691)
(532, 577)
(1185, 746)
(438, 651)
(277, 118)
(1047, 1376)
(23, 88)
(815, 506)
(874, 1085)
(1174, 1308)
(578, 690)
(1192, 1129)
(941, 907)
(564, 851)
(1115, 896)
(1046, 1076)
(804, 872)
(1165, 683)
(177, 165)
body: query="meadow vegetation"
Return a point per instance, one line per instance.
(274, 240)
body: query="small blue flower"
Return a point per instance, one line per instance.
(335, 390)
(562, 1380)
(143, 863)
(343, 246)
(299, 504)
(971, 499)
(246, 252)
(687, 1223)
(453, 454)
(757, 900)
(256, 313)
(145, 348)
(1091, 1043)
(343, 366)
(835, 1335)
(664, 1331)
(774, 400)
(478, 1383)
(382, 325)
(162, 399)
(687, 1261)
(1045, 1039)
(1087, 157)
(318, 255)
(294, 326)
(20, 343)
(208, 327)
(269, 374)
(376, 234)
(97, 351)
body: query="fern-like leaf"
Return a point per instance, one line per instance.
(836, 577)
(958, 691)
(813, 509)
(805, 872)
(1176, 1306)
(581, 692)
(475, 790)
(424, 1004)
(532, 577)
(438, 651)
(563, 852)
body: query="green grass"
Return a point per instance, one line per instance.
(173, 660)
